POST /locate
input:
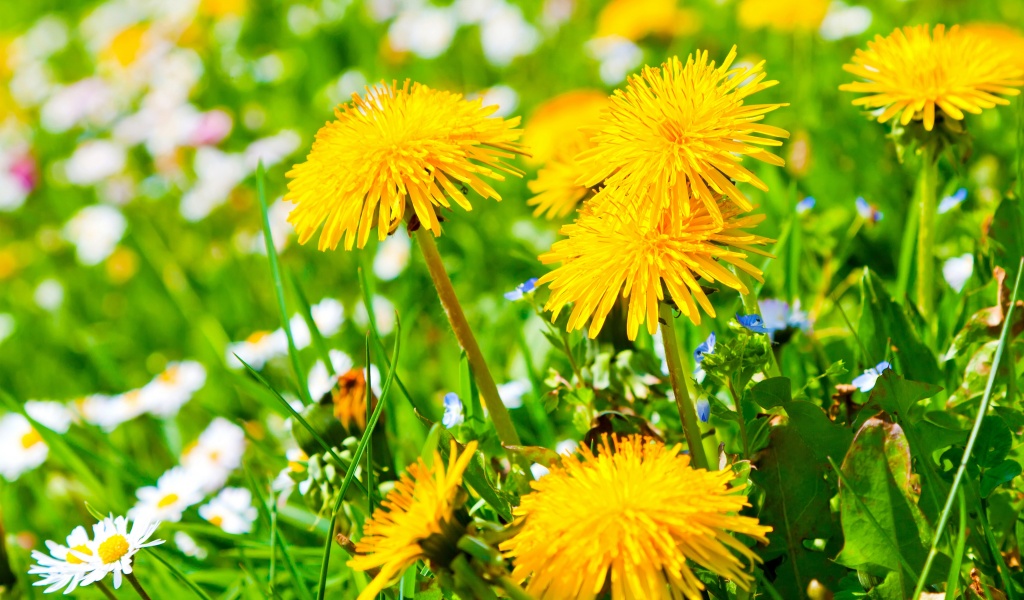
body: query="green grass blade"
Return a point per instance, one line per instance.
(421, 407)
(294, 413)
(307, 313)
(364, 442)
(283, 546)
(275, 270)
(986, 400)
(198, 591)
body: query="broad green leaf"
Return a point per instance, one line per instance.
(994, 442)
(1007, 231)
(772, 393)
(883, 322)
(1002, 473)
(882, 525)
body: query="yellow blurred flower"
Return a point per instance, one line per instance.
(557, 125)
(1008, 39)
(223, 8)
(913, 70)
(127, 46)
(676, 136)
(397, 145)
(421, 507)
(782, 15)
(122, 265)
(637, 19)
(556, 133)
(617, 253)
(630, 518)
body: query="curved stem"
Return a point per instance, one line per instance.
(450, 302)
(138, 586)
(684, 403)
(106, 591)
(927, 183)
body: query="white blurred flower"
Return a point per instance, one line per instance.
(188, 546)
(271, 150)
(844, 21)
(350, 82)
(174, 492)
(392, 256)
(383, 314)
(538, 470)
(958, 270)
(618, 57)
(6, 326)
(95, 160)
(281, 231)
(21, 447)
(17, 178)
(258, 349)
(502, 96)
(426, 31)
(89, 101)
(328, 315)
(556, 12)
(320, 380)
(31, 84)
(216, 453)
(62, 569)
(511, 393)
(505, 35)
(471, 12)
(231, 510)
(566, 447)
(172, 388)
(45, 37)
(218, 173)
(95, 231)
(49, 295)
(52, 415)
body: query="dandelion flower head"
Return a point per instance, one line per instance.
(619, 254)
(417, 511)
(629, 519)
(676, 137)
(782, 15)
(914, 70)
(393, 146)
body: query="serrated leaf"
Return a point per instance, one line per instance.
(882, 321)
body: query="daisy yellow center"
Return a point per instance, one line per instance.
(217, 520)
(170, 375)
(167, 500)
(31, 439)
(113, 548)
(81, 549)
(133, 396)
(256, 337)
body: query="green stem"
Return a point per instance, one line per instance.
(927, 183)
(742, 420)
(751, 307)
(138, 586)
(450, 302)
(684, 403)
(106, 591)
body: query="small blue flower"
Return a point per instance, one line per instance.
(950, 202)
(703, 410)
(805, 205)
(866, 381)
(752, 322)
(452, 411)
(522, 289)
(867, 211)
(705, 347)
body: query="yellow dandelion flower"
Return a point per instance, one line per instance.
(349, 399)
(914, 70)
(782, 15)
(397, 145)
(1009, 39)
(637, 19)
(676, 136)
(617, 253)
(555, 134)
(627, 520)
(418, 512)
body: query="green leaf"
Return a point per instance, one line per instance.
(883, 321)
(994, 442)
(882, 525)
(1007, 231)
(793, 472)
(772, 393)
(1002, 473)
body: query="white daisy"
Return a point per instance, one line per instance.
(258, 349)
(216, 453)
(284, 483)
(21, 446)
(63, 568)
(95, 231)
(170, 390)
(320, 380)
(114, 545)
(392, 256)
(174, 492)
(231, 510)
(188, 546)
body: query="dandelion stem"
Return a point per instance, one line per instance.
(927, 182)
(450, 302)
(106, 591)
(138, 586)
(684, 402)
